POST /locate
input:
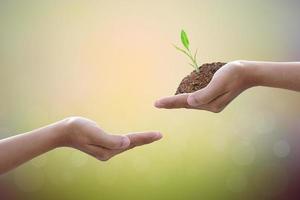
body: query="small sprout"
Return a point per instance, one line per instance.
(186, 44)
(185, 39)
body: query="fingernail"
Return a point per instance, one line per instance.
(158, 136)
(125, 142)
(158, 104)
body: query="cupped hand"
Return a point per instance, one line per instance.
(85, 135)
(227, 83)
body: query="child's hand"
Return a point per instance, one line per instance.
(75, 132)
(87, 136)
(227, 83)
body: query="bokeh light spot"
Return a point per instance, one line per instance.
(281, 148)
(243, 153)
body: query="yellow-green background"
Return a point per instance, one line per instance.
(109, 61)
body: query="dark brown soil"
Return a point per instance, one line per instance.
(198, 80)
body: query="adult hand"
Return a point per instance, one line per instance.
(227, 83)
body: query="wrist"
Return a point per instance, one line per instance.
(60, 134)
(67, 129)
(251, 73)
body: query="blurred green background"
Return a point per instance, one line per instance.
(110, 60)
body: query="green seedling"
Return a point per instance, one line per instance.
(187, 51)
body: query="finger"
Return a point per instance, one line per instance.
(136, 139)
(220, 103)
(139, 139)
(206, 95)
(109, 141)
(99, 152)
(178, 101)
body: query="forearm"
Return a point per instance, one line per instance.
(284, 75)
(16, 150)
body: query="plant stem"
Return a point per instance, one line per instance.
(193, 60)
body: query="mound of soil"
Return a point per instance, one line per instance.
(198, 80)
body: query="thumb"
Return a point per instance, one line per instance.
(117, 142)
(205, 95)
(112, 141)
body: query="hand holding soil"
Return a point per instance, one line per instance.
(202, 75)
(226, 83)
(212, 86)
(232, 79)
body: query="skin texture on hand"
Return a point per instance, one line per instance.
(85, 135)
(227, 83)
(75, 132)
(231, 80)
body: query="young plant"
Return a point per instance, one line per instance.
(187, 51)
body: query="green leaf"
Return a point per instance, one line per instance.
(185, 39)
